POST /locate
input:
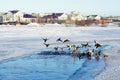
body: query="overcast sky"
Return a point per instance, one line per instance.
(85, 7)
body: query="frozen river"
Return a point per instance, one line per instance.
(19, 58)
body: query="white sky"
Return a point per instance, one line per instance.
(100, 7)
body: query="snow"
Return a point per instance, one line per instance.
(19, 40)
(33, 24)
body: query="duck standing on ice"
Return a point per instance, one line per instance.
(97, 44)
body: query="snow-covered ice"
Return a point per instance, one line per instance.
(17, 41)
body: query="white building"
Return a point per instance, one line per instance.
(63, 17)
(94, 17)
(28, 18)
(76, 16)
(12, 16)
(17, 16)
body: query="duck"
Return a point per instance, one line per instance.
(85, 45)
(105, 56)
(56, 49)
(97, 44)
(66, 40)
(45, 39)
(97, 57)
(89, 54)
(76, 49)
(69, 46)
(47, 45)
(59, 40)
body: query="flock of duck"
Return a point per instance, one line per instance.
(81, 51)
